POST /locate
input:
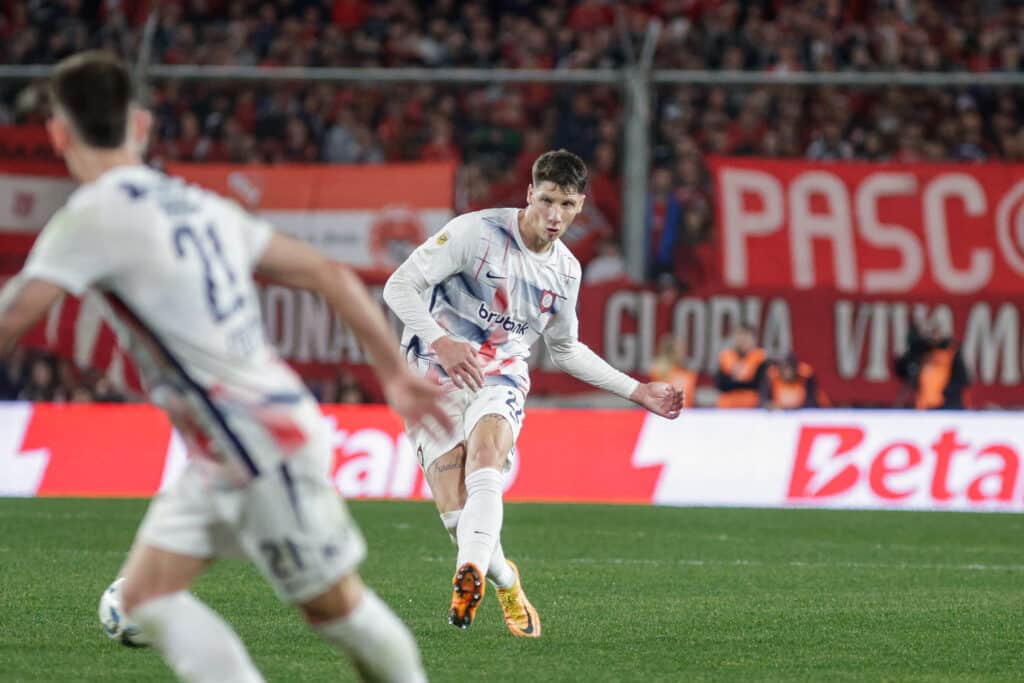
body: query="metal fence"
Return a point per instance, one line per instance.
(636, 81)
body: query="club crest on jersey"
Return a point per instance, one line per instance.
(441, 239)
(547, 300)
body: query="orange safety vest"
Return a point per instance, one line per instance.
(789, 394)
(680, 378)
(931, 383)
(741, 370)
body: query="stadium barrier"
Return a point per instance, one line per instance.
(833, 459)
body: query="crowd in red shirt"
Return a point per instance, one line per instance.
(494, 131)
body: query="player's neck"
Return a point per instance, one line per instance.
(89, 164)
(532, 241)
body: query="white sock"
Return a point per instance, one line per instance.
(194, 641)
(378, 643)
(451, 524)
(480, 523)
(499, 570)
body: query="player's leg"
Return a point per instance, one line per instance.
(298, 532)
(480, 522)
(351, 617)
(446, 477)
(174, 546)
(493, 420)
(447, 484)
(479, 526)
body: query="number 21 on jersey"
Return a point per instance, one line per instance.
(223, 297)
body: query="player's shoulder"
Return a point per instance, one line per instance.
(484, 220)
(118, 186)
(128, 190)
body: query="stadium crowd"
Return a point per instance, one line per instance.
(501, 126)
(35, 374)
(495, 131)
(28, 374)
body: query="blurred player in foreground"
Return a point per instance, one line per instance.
(474, 298)
(175, 266)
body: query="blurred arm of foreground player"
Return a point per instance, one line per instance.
(295, 264)
(23, 302)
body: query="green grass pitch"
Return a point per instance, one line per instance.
(625, 594)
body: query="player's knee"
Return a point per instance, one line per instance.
(337, 602)
(485, 455)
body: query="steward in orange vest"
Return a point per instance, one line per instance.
(790, 384)
(934, 368)
(670, 366)
(740, 371)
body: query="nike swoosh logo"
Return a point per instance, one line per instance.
(495, 277)
(529, 623)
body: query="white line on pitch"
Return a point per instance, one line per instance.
(687, 562)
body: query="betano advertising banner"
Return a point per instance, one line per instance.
(840, 459)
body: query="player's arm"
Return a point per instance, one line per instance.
(296, 264)
(71, 254)
(574, 357)
(23, 301)
(434, 261)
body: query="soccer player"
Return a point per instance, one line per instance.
(175, 265)
(474, 298)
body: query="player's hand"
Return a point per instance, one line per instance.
(660, 398)
(418, 402)
(460, 361)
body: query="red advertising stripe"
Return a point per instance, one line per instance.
(37, 167)
(582, 455)
(99, 450)
(291, 186)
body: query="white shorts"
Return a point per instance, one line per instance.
(290, 522)
(465, 408)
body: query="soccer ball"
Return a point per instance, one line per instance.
(115, 622)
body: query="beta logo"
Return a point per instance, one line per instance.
(841, 462)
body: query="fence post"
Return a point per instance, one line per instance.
(636, 153)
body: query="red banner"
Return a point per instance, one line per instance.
(850, 342)
(849, 334)
(870, 229)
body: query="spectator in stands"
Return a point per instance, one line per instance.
(607, 265)
(82, 394)
(349, 391)
(664, 224)
(12, 373)
(933, 370)
(103, 391)
(829, 145)
(741, 369)
(790, 384)
(41, 382)
(670, 365)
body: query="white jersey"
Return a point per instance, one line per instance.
(488, 289)
(174, 262)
